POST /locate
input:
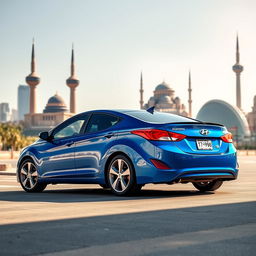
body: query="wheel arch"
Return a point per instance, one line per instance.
(110, 159)
(27, 157)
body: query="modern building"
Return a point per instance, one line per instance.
(219, 111)
(14, 115)
(5, 114)
(56, 110)
(251, 117)
(164, 100)
(23, 101)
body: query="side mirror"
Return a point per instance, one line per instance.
(45, 136)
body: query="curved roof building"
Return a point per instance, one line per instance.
(219, 111)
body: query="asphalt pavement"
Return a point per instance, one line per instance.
(162, 220)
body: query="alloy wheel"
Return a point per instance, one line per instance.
(28, 175)
(119, 175)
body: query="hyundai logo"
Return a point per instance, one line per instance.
(204, 132)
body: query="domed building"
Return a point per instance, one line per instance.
(164, 100)
(219, 111)
(56, 110)
(55, 104)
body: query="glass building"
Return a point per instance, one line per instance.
(23, 101)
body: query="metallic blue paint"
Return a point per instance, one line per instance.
(83, 158)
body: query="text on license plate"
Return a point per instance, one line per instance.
(204, 144)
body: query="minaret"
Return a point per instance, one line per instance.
(33, 80)
(72, 83)
(189, 95)
(237, 68)
(141, 92)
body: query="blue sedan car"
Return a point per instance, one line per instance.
(126, 149)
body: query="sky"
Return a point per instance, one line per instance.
(115, 40)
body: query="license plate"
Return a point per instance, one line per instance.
(204, 144)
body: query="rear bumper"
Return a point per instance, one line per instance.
(190, 168)
(187, 175)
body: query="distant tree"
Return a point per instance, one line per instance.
(12, 138)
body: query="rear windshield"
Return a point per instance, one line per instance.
(159, 117)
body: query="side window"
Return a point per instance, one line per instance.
(100, 122)
(71, 129)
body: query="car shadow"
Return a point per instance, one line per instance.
(93, 195)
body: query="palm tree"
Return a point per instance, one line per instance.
(12, 138)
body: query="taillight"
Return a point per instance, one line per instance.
(154, 134)
(227, 138)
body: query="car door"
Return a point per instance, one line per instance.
(59, 155)
(89, 150)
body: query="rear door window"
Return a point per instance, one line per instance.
(100, 122)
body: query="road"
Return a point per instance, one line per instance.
(162, 220)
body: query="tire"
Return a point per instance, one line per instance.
(121, 177)
(208, 186)
(28, 177)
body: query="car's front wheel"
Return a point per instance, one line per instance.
(121, 176)
(208, 185)
(28, 177)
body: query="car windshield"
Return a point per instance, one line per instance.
(159, 117)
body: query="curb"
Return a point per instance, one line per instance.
(8, 173)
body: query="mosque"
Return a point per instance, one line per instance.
(242, 125)
(164, 100)
(55, 110)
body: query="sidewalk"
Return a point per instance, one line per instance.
(10, 172)
(11, 166)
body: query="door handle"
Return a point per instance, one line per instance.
(109, 135)
(69, 143)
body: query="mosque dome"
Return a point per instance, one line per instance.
(55, 104)
(164, 99)
(177, 100)
(162, 86)
(151, 101)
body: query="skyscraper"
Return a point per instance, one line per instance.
(4, 112)
(23, 101)
(237, 68)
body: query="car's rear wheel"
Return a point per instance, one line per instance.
(121, 176)
(208, 185)
(28, 177)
